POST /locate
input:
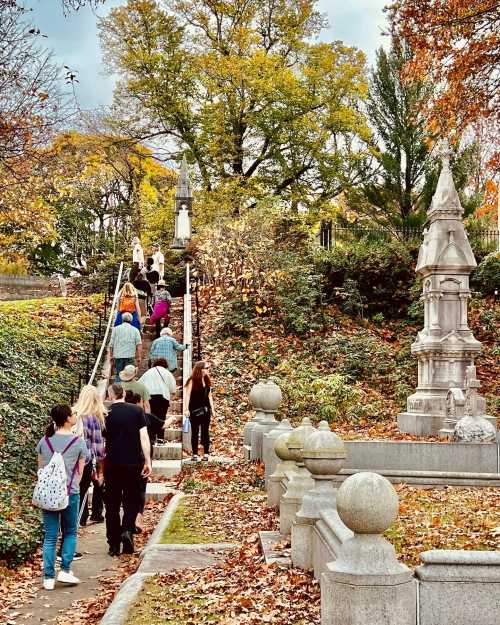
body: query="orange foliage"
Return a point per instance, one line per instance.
(457, 45)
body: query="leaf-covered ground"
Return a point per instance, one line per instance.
(355, 373)
(243, 589)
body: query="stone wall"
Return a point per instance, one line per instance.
(27, 287)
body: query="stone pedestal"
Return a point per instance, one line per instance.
(268, 399)
(366, 584)
(286, 467)
(299, 482)
(269, 456)
(324, 454)
(445, 347)
(255, 399)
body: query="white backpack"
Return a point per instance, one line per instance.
(51, 490)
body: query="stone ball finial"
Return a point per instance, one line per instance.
(271, 396)
(255, 395)
(367, 503)
(281, 447)
(298, 438)
(324, 452)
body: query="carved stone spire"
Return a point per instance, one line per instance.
(445, 347)
(184, 190)
(445, 200)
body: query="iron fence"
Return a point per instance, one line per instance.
(331, 235)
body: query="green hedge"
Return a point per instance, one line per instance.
(41, 351)
(486, 277)
(377, 276)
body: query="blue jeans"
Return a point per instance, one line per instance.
(51, 526)
(120, 364)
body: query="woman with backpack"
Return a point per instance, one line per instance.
(128, 301)
(60, 506)
(91, 413)
(199, 407)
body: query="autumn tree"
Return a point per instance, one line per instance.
(102, 192)
(457, 46)
(240, 86)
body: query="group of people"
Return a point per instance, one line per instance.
(111, 449)
(145, 293)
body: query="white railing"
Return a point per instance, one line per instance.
(106, 368)
(187, 354)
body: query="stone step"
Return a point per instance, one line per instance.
(168, 451)
(172, 434)
(166, 468)
(157, 491)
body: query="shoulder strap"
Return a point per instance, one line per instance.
(75, 469)
(69, 444)
(49, 444)
(162, 378)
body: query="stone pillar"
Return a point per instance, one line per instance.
(300, 480)
(324, 454)
(269, 456)
(254, 397)
(270, 401)
(366, 585)
(283, 469)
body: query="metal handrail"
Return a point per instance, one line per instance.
(108, 327)
(187, 354)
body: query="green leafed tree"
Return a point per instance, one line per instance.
(258, 107)
(399, 190)
(402, 161)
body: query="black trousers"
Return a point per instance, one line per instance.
(197, 424)
(159, 406)
(124, 487)
(97, 495)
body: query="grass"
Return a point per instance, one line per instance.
(189, 526)
(155, 606)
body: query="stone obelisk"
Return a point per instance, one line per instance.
(445, 347)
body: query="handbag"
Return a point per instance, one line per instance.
(197, 413)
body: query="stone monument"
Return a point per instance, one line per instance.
(445, 347)
(183, 209)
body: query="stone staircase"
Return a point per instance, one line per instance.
(167, 456)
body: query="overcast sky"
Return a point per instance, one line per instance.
(74, 40)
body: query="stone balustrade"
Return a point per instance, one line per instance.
(338, 535)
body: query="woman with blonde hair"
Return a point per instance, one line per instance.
(128, 301)
(90, 412)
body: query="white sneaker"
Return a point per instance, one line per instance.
(49, 583)
(67, 577)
